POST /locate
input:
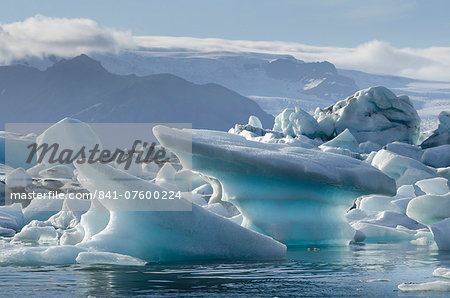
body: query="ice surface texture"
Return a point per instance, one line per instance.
(156, 236)
(375, 114)
(296, 195)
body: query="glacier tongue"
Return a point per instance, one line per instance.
(296, 195)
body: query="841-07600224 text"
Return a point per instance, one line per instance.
(138, 195)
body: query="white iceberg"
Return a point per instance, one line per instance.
(255, 122)
(295, 122)
(344, 140)
(18, 178)
(438, 157)
(103, 258)
(405, 149)
(403, 169)
(441, 233)
(437, 286)
(13, 149)
(375, 114)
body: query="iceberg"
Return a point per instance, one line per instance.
(403, 169)
(18, 178)
(296, 195)
(437, 157)
(405, 149)
(93, 258)
(295, 122)
(375, 114)
(433, 209)
(14, 151)
(255, 122)
(344, 140)
(156, 236)
(441, 233)
(437, 286)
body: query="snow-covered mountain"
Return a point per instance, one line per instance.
(82, 88)
(275, 82)
(278, 81)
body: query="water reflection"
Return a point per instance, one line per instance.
(373, 269)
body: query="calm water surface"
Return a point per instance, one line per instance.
(367, 270)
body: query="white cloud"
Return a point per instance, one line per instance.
(40, 36)
(379, 57)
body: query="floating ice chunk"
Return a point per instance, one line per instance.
(168, 236)
(57, 171)
(406, 191)
(43, 208)
(438, 157)
(255, 122)
(341, 151)
(14, 212)
(444, 172)
(18, 178)
(281, 191)
(34, 171)
(397, 203)
(69, 134)
(422, 241)
(434, 186)
(64, 219)
(373, 114)
(39, 256)
(441, 233)
(441, 135)
(403, 169)
(108, 258)
(8, 222)
(72, 236)
(404, 149)
(37, 232)
(442, 272)
(368, 146)
(438, 286)
(376, 203)
(428, 209)
(295, 122)
(14, 151)
(375, 232)
(344, 140)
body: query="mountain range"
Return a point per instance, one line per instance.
(82, 88)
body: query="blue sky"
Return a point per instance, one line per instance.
(344, 23)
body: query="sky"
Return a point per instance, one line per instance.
(343, 23)
(395, 37)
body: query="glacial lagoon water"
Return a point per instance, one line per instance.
(355, 270)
